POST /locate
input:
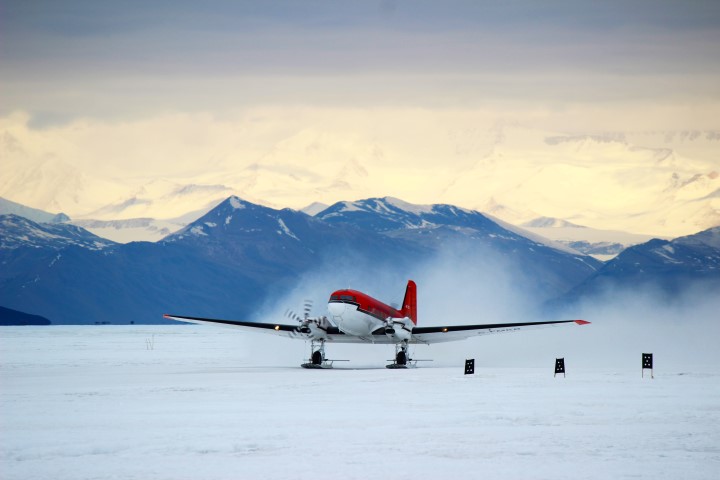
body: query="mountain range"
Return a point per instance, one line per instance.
(20, 232)
(231, 259)
(238, 257)
(601, 244)
(7, 207)
(664, 266)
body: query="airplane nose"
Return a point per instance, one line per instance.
(336, 309)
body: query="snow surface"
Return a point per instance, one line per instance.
(197, 230)
(535, 237)
(314, 208)
(286, 230)
(38, 216)
(350, 207)
(548, 222)
(710, 237)
(131, 230)
(181, 402)
(236, 203)
(409, 207)
(591, 235)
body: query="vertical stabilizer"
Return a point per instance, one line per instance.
(409, 308)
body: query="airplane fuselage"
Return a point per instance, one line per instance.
(356, 313)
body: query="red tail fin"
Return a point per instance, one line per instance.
(409, 308)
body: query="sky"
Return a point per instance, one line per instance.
(127, 60)
(127, 89)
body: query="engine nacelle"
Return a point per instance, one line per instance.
(314, 328)
(399, 329)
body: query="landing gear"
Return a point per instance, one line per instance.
(402, 358)
(317, 356)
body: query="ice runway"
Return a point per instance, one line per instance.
(188, 403)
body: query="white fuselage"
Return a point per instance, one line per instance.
(351, 321)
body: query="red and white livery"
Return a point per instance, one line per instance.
(355, 317)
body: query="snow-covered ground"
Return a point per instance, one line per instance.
(185, 402)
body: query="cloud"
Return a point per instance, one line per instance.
(294, 155)
(82, 59)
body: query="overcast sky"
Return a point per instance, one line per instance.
(291, 102)
(62, 60)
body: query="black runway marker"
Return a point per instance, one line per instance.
(470, 366)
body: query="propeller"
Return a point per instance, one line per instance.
(305, 319)
(307, 307)
(293, 316)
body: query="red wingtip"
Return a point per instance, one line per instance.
(165, 315)
(582, 322)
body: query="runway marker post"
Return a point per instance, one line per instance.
(470, 366)
(647, 362)
(559, 367)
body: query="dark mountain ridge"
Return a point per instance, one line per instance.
(670, 267)
(230, 261)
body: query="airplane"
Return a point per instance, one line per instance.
(356, 317)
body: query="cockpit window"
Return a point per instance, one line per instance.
(334, 297)
(347, 297)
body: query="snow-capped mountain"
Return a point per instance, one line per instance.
(647, 184)
(283, 242)
(601, 244)
(314, 208)
(238, 255)
(7, 207)
(225, 263)
(390, 215)
(131, 230)
(547, 222)
(163, 199)
(52, 184)
(669, 266)
(550, 266)
(19, 232)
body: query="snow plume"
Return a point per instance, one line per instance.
(459, 285)
(680, 331)
(471, 286)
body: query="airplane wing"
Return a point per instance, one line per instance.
(290, 331)
(424, 335)
(331, 334)
(452, 333)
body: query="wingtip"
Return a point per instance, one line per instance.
(582, 322)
